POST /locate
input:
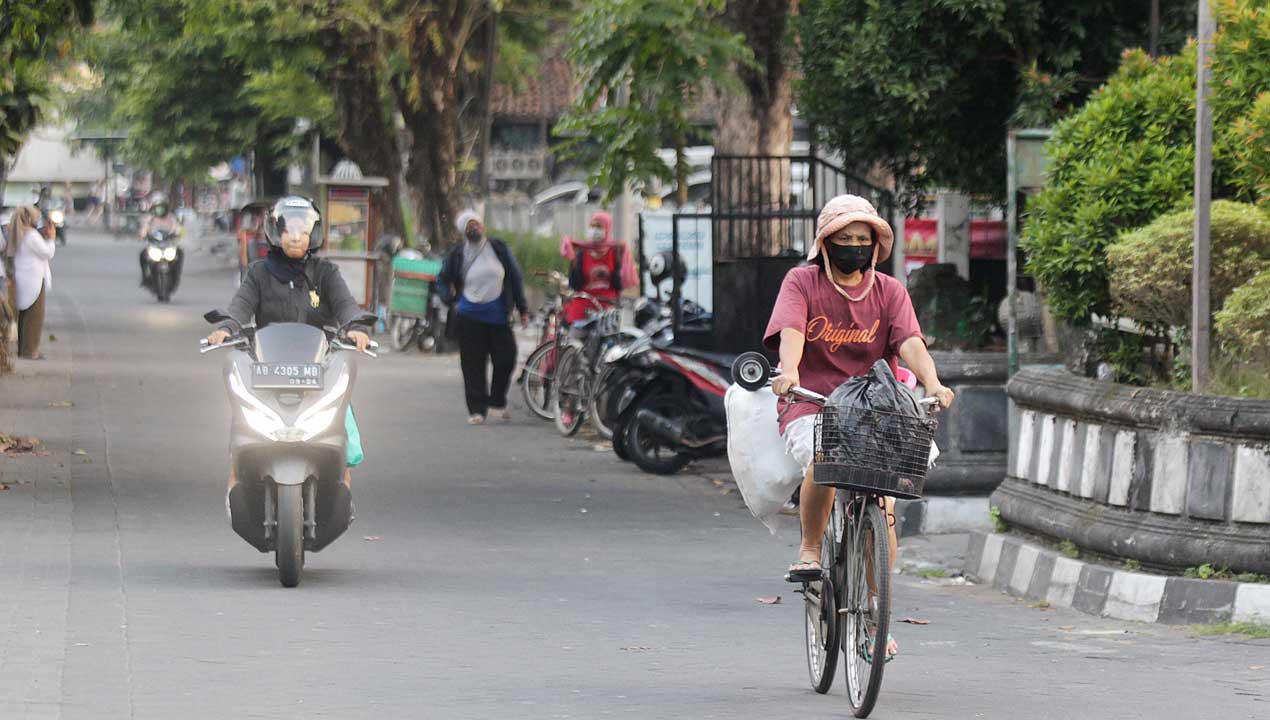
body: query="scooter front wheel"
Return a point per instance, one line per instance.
(289, 554)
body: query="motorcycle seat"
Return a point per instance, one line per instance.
(720, 359)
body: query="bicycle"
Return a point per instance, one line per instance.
(573, 390)
(538, 372)
(866, 455)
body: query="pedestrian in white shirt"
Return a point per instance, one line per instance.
(31, 246)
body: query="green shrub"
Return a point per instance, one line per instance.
(1122, 160)
(1128, 156)
(1150, 268)
(1243, 324)
(1250, 153)
(535, 254)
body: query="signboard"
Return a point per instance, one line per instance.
(695, 249)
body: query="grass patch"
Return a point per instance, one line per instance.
(1132, 565)
(929, 573)
(534, 253)
(1068, 548)
(1252, 630)
(998, 525)
(1208, 572)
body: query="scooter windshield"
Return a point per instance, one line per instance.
(290, 343)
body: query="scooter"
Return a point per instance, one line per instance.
(289, 389)
(674, 413)
(161, 264)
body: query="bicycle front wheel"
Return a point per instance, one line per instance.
(535, 381)
(868, 604)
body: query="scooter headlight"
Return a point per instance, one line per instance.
(259, 416)
(319, 417)
(169, 254)
(155, 254)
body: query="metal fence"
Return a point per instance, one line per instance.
(766, 205)
(555, 220)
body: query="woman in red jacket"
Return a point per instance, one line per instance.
(596, 268)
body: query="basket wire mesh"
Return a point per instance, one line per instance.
(873, 451)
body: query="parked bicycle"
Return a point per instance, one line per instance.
(539, 370)
(866, 455)
(580, 362)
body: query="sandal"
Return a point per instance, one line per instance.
(866, 647)
(804, 571)
(476, 420)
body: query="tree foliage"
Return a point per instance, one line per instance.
(927, 88)
(1128, 156)
(641, 65)
(34, 34)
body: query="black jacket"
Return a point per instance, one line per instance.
(269, 300)
(450, 280)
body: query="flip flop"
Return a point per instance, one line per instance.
(866, 647)
(811, 573)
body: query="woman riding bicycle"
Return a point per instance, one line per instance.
(833, 319)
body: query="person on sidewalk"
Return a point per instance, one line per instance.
(30, 248)
(480, 279)
(833, 319)
(596, 268)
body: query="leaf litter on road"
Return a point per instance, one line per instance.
(915, 621)
(17, 445)
(770, 600)
(372, 538)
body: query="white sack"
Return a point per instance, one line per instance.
(765, 473)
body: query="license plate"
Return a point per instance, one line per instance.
(286, 376)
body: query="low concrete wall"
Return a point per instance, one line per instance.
(1167, 478)
(973, 436)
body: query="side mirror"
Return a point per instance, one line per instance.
(751, 371)
(216, 316)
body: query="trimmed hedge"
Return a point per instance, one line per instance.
(1243, 324)
(534, 253)
(1150, 268)
(1127, 157)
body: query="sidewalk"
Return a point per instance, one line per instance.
(36, 524)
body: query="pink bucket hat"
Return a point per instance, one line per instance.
(843, 210)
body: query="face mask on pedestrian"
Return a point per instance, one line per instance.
(595, 235)
(473, 232)
(850, 258)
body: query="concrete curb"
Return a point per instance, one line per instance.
(1026, 569)
(936, 515)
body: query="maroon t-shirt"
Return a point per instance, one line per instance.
(844, 338)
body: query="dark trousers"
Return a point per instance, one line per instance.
(30, 325)
(479, 345)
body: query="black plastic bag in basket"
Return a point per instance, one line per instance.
(871, 412)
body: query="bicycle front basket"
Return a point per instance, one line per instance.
(873, 451)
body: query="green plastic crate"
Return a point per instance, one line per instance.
(412, 282)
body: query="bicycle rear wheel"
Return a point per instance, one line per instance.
(535, 381)
(568, 392)
(820, 618)
(868, 604)
(601, 418)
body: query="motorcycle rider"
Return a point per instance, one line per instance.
(292, 285)
(161, 219)
(834, 318)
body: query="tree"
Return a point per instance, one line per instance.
(927, 88)
(642, 64)
(33, 35)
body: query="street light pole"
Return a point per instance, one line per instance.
(1200, 300)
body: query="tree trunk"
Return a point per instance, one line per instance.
(366, 133)
(758, 124)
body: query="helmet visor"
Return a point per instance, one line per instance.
(293, 221)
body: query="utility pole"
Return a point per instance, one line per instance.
(1200, 299)
(1155, 29)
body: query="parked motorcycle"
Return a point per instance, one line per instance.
(289, 390)
(161, 264)
(674, 413)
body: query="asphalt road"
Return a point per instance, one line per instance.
(494, 571)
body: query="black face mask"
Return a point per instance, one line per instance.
(473, 234)
(850, 258)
